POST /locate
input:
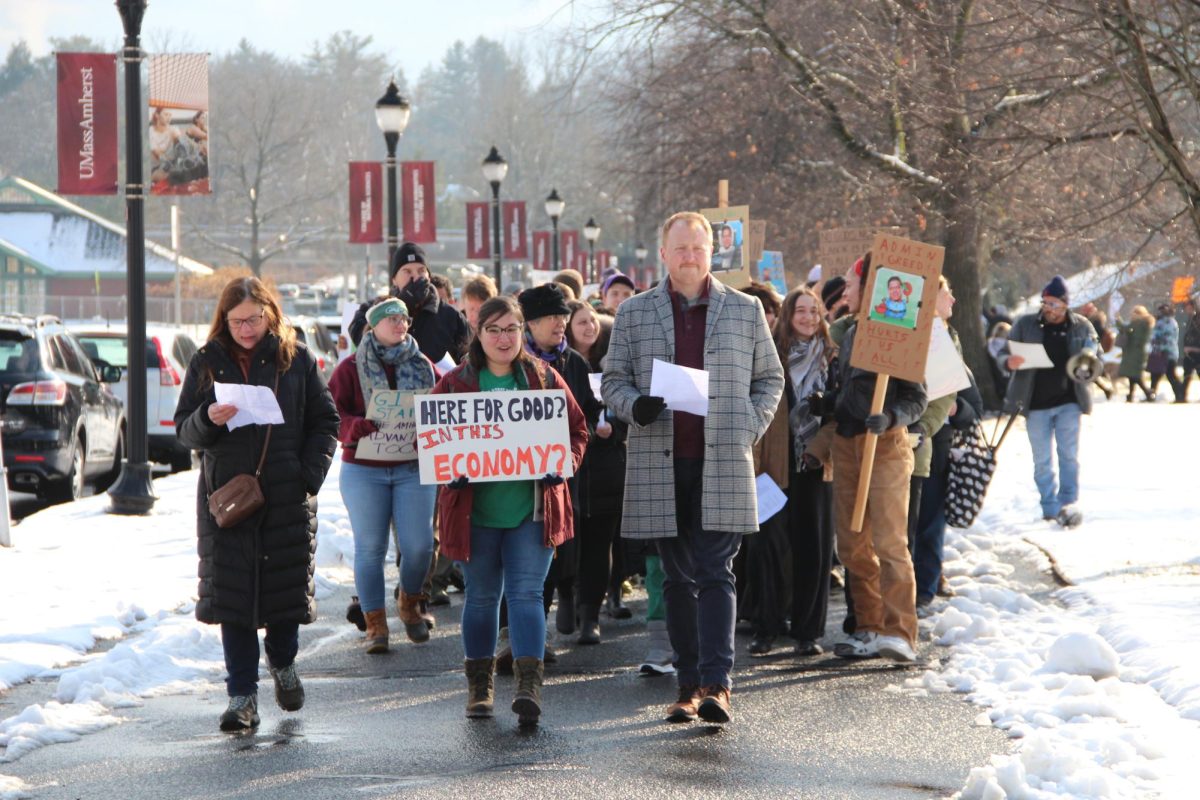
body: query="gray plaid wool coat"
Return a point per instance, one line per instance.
(745, 383)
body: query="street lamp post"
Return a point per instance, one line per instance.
(554, 207)
(494, 170)
(391, 115)
(640, 252)
(591, 232)
(133, 492)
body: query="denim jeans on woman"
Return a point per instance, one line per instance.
(513, 562)
(1050, 430)
(374, 498)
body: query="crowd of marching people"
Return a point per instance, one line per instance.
(659, 495)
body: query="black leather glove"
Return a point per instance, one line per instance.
(552, 479)
(878, 423)
(459, 483)
(816, 404)
(647, 408)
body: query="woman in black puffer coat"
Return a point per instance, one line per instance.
(258, 573)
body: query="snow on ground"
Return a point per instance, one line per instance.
(1099, 685)
(1102, 699)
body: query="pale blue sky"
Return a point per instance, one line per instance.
(412, 33)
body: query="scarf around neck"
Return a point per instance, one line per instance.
(551, 356)
(806, 370)
(413, 370)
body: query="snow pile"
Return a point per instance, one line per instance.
(13, 789)
(1099, 699)
(90, 577)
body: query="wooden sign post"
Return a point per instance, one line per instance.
(894, 327)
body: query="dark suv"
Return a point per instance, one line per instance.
(62, 426)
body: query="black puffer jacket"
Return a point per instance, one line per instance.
(262, 570)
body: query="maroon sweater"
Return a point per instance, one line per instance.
(689, 352)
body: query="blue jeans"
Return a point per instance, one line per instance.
(699, 586)
(374, 498)
(513, 562)
(1053, 429)
(240, 645)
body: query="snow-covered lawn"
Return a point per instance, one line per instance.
(1100, 690)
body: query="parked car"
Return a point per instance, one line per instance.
(316, 336)
(61, 426)
(168, 352)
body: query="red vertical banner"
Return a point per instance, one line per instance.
(568, 247)
(541, 250)
(366, 202)
(516, 243)
(420, 202)
(602, 258)
(87, 123)
(478, 231)
(581, 266)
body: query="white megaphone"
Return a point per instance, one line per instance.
(1084, 366)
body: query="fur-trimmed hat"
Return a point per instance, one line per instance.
(543, 301)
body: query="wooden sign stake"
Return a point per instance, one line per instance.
(868, 457)
(723, 193)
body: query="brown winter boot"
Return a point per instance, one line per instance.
(480, 687)
(377, 631)
(410, 615)
(527, 703)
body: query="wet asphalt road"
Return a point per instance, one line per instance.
(393, 726)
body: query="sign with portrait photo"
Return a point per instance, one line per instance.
(178, 130)
(895, 322)
(731, 244)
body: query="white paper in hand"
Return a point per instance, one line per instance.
(446, 364)
(1033, 353)
(684, 388)
(595, 378)
(256, 405)
(944, 370)
(771, 499)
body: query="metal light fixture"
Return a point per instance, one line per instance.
(641, 252)
(554, 207)
(494, 170)
(591, 232)
(391, 115)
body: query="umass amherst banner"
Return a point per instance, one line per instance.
(420, 202)
(516, 245)
(87, 123)
(366, 202)
(568, 248)
(478, 231)
(542, 258)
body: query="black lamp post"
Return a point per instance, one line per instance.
(640, 252)
(391, 115)
(554, 207)
(494, 170)
(591, 232)
(133, 492)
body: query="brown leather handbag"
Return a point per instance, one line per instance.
(238, 499)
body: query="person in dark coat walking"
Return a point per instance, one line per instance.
(258, 573)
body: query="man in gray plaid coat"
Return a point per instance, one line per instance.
(689, 480)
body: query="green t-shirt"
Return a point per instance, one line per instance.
(502, 504)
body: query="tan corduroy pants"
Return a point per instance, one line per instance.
(877, 558)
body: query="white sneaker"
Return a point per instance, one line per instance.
(896, 649)
(864, 644)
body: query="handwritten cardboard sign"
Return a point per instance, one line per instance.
(896, 318)
(393, 414)
(841, 247)
(493, 436)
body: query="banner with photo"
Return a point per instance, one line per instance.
(516, 243)
(366, 202)
(420, 204)
(542, 258)
(568, 247)
(478, 231)
(179, 135)
(87, 123)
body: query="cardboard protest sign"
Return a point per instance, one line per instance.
(898, 308)
(758, 240)
(396, 440)
(841, 247)
(731, 244)
(493, 436)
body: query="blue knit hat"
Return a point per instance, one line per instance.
(1057, 287)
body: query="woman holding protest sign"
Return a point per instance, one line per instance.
(380, 482)
(506, 532)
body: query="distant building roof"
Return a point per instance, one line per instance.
(62, 239)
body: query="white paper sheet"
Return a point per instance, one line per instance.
(684, 388)
(594, 378)
(1033, 353)
(348, 311)
(256, 405)
(944, 370)
(446, 364)
(771, 498)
